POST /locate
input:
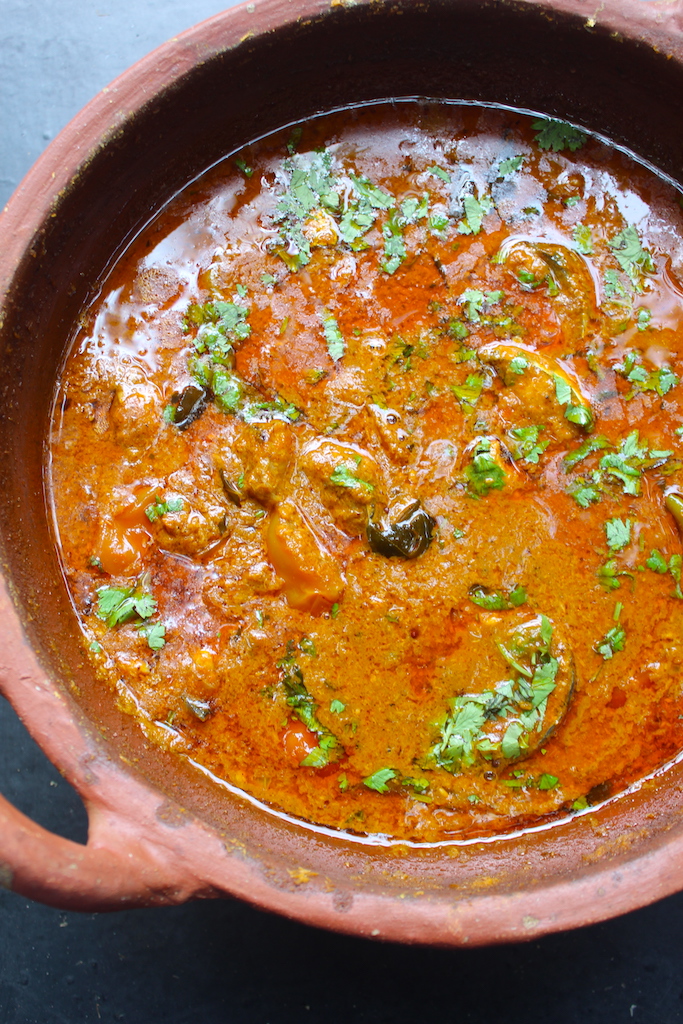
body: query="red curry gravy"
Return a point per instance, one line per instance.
(367, 472)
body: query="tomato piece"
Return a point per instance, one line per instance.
(313, 579)
(122, 540)
(298, 741)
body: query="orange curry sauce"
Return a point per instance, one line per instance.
(367, 472)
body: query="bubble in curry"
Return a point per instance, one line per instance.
(367, 472)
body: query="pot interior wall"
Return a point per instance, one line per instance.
(515, 54)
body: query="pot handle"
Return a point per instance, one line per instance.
(115, 870)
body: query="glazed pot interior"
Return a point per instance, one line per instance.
(522, 55)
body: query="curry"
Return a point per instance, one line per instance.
(367, 472)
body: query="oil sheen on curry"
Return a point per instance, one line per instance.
(367, 471)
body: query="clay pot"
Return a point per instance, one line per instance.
(159, 832)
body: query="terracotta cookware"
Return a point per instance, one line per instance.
(160, 833)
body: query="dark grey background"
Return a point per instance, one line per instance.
(224, 961)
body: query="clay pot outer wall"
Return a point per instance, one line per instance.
(159, 832)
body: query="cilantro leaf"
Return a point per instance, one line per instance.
(154, 633)
(160, 508)
(528, 446)
(378, 780)
(547, 781)
(583, 239)
(657, 562)
(609, 573)
(414, 210)
(343, 476)
(495, 600)
(518, 364)
(483, 473)
(629, 253)
(336, 707)
(376, 197)
(586, 448)
(336, 345)
(469, 392)
(438, 224)
(563, 391)
(475, 211)
(557, 135)
(612, 642)
(509, 746)
(439, 172)
(394, 246)
(618, 533)
(585, 494)
(477, 302)
(643, 318)
(305, 709)
(116, 605)
(509, 166)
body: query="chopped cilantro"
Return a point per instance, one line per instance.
(310, 187)
(243, 167)
(509, 166)
(343, 476)
(305, 709)
(336, 345)
(547, 781)
(154, 633)
(609, 575)
(159, 508)
(633, 259)
(495, 600)
(643, 318)
(464, 736)
(475, 211)
(583, 239)
(612, 642)
(336, 707)
(657, 562)
(438, 224)
(413, 210)
(439, 172)
(483, 473)
(618, 533)
(518, 364)
(376, 197)
(420, 785)
(294, 139)
(615, 289)
(378, 780)
(575, 411)
(394, 246)
(586, 448)
(585, 494)
(627, 464)
(469, 392)
(661, 380)
(528, 447)
(116, 605)
(268, 280)
(476, 302)
(557, 135)
(306, 646)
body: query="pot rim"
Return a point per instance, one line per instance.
(151, 848)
